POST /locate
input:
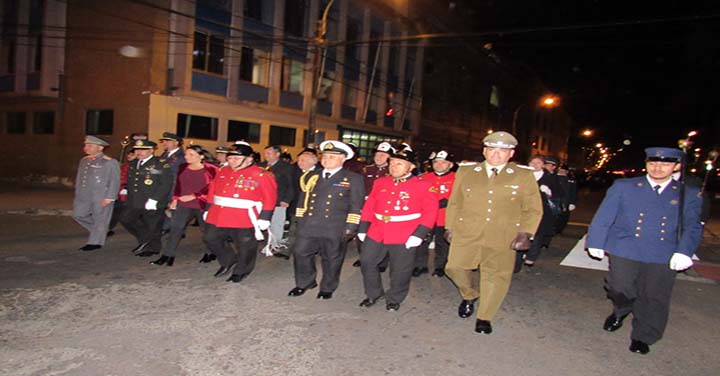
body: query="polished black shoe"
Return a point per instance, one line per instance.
(282, 256)
(90, 247)
(164, 260)
(356, 263)
(367, 302)
(224, 270)
(639, 347)
(382, 269)
(207, 257)
(139, 248)
(297, 291)
(110, 233)
(483, 326)
(439, 273)
(147, 253)
(324, 295)
(236, 278)
(466, 308)
(419, 271)
(392, 307)
(613, 323)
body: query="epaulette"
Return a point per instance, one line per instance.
(525, 167)
(467, 164)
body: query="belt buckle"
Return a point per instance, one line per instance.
(386, 218)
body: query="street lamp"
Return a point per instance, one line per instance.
(587, 133)
(547, 101)
(317, 46)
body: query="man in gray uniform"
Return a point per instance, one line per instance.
(96, 187)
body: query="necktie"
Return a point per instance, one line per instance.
(494, 172)
(657, 189)
(140, 163)
(327, 175)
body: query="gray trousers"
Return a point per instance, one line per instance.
(277, 225)
(178, 223)
(94, 217)
(401, 266)
(332, 255)
(643, 289)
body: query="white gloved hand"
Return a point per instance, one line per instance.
(123, 192)
(151, 204)
(361, 236)
(571, 207)
(412, 242)
(205, 213)
(679, 261)
(263, 224)
(596, 253)
(545, 189)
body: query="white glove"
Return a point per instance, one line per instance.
(596, 253)
(151, 204)
(545, 189)
(679, 261)
(571, 207)
(263, 224)
(361, 236)
(205, 215)
(412, 242)
(123, 192)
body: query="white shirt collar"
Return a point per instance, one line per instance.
(538, 174)
(171, 152)
(489, 168)
(332, 172)
(662, 185)
(142, 161)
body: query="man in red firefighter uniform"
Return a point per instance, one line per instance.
(442, 177)
(399, 212)
(242, 198)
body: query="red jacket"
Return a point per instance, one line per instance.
(389, 200)
(443, 184)
(250, 183)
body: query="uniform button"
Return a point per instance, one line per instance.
(489, 210)
(642, 214)
(389, 202)
(662, 224)
(490, 192)
(662, 231)
(312, 207)
(392, 193)
(310, 214)
(327, 216)
(662, 238)
(312, 201)
(468, 190)
(487, 219)
(637, 235)
(327, 202)
(387, 211)
(314, 194)
(639, 220)
(489, 201)
(664, 217)
(460, 219)
(329, 196)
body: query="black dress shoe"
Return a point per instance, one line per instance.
(392, 307)
(164, 260)
(367, 302)
(236, 278)
(297, 291)
(419, 271)
(224, 270)
(356, 263)
(439, 272)
(382, 268)
(282, 256)
(147, 253)
(483, 326)
(324, 295)
(207, 257)
(466, 308)
(90, 247)
(639, 347)
(110, 233)
(613, 323)
(139, 248)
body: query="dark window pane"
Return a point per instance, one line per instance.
(44, 122)
(217, 55)
(15, 123)
(253, 9)
(99, 122)
(242, 130)
(199, 50)
(246, 64)
(194, 126)
(282, 136)
(295, 17)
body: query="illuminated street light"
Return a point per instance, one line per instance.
(692, 133)
(587, 133)
(548, 101)
(599, 145)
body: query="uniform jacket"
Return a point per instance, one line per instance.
(98, 178)
(250, 183)
(636, 223)
(284, 174)
(210, 172)
(175, 161)
(371, 173)
(443, 184)
(154, 180)
(405, 197)
(488, 213)
(329, 207)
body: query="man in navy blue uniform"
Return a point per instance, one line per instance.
(651, 230)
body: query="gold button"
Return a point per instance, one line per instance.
(662, 224)
(637, 235)
(490, 192)
(327, 202)
(662, 238)
(639, 220)
(314, 194)
(642, 214)
(637, 228)
(329, 196)
(489, 201)
(662, 231)
(389, 202)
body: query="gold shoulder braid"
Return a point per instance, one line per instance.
(307, 187)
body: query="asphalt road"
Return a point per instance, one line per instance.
(65, 312)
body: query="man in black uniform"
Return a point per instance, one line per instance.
(150, 180)
(328, 214)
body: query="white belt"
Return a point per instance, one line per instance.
(397, 218)
(239, 203)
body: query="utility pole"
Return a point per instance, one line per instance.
(318, 50)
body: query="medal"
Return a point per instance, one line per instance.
(148, 181)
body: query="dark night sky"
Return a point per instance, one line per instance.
(650, 82)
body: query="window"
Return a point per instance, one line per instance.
(254, 66)
(243, 131)
(292, 75)
(282, 135)
(295, 15)
(365, 141)
(353, 32)
(208, 52)
(15, 123)
(259, 10)
(194, 126)
(44, 122)
(99, 122)
(326, 85)
(350, 93)
(494, 98)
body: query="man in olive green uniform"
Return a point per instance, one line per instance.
(494, 208)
